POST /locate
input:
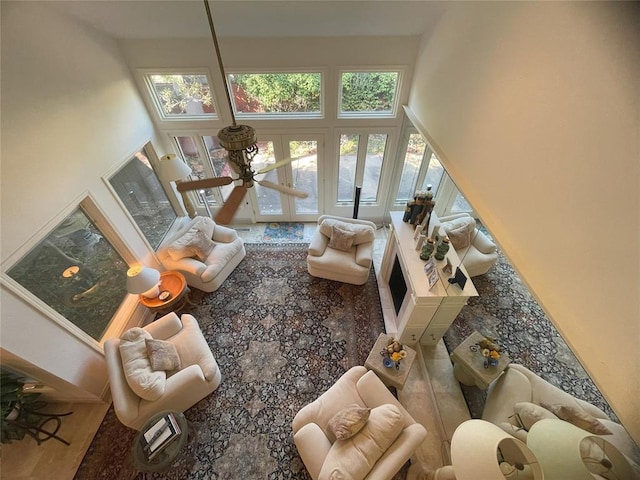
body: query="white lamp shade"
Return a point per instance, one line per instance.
(173, 168)
(143, 280)
(557, 444)
(474, 454)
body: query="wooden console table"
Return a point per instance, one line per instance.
(421, 313)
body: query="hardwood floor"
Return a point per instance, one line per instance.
(25, 460)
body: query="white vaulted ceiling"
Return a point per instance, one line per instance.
(135, 19)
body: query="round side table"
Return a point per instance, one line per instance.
(174, 283)
(180, 452)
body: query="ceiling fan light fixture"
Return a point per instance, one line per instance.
(237, 137)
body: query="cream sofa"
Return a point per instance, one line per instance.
(206, 274)
(316, 443)
(349, 266)
(197, 377)
(476, 251)
(519, 384)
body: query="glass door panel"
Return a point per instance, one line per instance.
(347, 166)
(376, 145)
(302, 174)
(268, 199)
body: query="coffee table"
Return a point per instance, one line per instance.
(174, 283)
(469, 366)
(391, 376)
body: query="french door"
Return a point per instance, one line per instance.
(302, 173)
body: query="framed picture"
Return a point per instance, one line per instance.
(431, 271)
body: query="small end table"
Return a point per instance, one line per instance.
(174, 283)
(391, 377)
(469, 366)
(180, 450)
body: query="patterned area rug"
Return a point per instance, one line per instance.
(281, 338)
(506, 311)
(280, 232)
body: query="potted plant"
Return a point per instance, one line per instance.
(13, 400)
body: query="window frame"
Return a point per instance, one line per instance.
(283, 115)
(401, 71)
(169, 192)
(151, 97)
(88, 204)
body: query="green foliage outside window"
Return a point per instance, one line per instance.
(277, 92)
(368, 91)
(176, 91)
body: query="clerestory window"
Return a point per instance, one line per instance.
(181, 96)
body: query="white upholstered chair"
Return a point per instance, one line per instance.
(323, 455)
(476, 251)
(205, 265)
(343, 257)
(176, 390)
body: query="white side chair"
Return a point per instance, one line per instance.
(350, 264)
(206, 273)
(479, 253)
(318, 446)
(197, 377)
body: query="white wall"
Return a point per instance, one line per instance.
(533, 107)
(70, 113)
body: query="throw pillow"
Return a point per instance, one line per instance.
(529, 413)
(348, 421)
(579, 418)
(162, 354)
(194, 243)
(141, 378)
(355, 457)
(201, 245)
(363, 233)
(341, 239)
(180, 247)
(460, 237)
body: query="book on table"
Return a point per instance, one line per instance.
(160, 435)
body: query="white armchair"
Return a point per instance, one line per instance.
(477, 252)
(343, 257)
(196, 378)
(323, 455)
(207, 260)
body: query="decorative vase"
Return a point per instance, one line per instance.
(427, 249)
(387, 362)
(442, 249)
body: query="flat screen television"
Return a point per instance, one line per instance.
(397, 285)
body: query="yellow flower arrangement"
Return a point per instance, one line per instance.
(491, 351)
(394, 351)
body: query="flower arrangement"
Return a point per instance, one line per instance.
(393, 353)
(491, 352)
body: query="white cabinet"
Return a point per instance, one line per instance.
(420, 313)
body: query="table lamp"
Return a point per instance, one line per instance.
(566, 451)
(143, 281)
(174, 169)
(480, 449)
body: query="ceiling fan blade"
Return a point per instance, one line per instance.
(283, 189)
(228, 210)
(273, 166)
(204, 183)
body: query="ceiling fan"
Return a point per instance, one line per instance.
(240, 141)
